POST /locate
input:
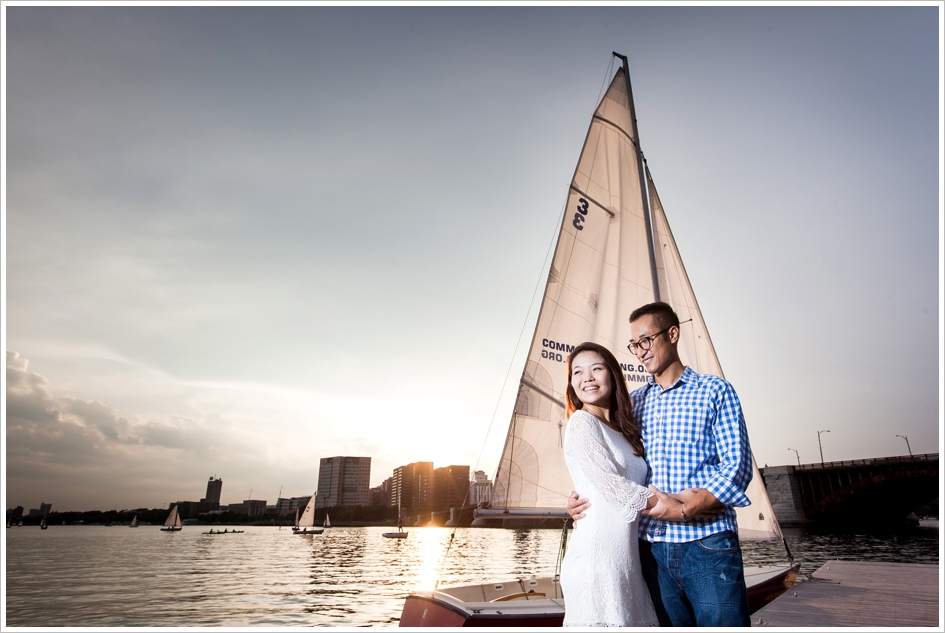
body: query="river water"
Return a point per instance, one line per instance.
(117, 576)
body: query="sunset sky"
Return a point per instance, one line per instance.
(241, 239)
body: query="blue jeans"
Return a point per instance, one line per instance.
(700, 583)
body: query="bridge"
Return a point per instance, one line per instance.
(873, 492)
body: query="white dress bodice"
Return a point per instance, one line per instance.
(601, 574)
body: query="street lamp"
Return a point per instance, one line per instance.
(798, 455)
(907, 443)
(821, 445)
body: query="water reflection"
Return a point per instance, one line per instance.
(97, 576)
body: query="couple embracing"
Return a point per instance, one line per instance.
(666, 553)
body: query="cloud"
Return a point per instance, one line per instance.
(70, 450)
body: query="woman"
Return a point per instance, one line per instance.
(601, 574)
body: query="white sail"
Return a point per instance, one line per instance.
(602, 270)
(307, 519)
(296, 517)
(134, 521)
(173, 519)
(327, 522)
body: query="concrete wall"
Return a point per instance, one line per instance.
(785, 495)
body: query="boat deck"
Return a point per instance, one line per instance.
(859, 594)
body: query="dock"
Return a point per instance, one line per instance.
(860, 594)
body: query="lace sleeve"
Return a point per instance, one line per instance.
(585, 443)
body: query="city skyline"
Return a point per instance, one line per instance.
(242, 239)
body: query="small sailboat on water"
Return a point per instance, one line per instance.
(42, 524)
(615, 252)
(134, 521)
(306, 523)
(400, 533)
(327, 522)
(172, 523)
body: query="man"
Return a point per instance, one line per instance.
(696, 444)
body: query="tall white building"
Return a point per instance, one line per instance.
(480, 490)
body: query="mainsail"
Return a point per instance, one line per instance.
(307, 519)
(173, 519)
(615, 252)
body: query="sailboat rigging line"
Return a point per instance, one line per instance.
(562, 549)
(607, 75)
(582, 194)
(644, 183)
(551, 245)
(508, 371)
(528, 383)
(445, 555)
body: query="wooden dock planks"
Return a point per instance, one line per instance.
(858, 594)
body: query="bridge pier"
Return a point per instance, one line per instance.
(784, 492)
(880, 491)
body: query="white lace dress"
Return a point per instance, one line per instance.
(601, 574)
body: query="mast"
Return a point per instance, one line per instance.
(644, 188)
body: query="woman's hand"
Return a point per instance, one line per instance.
(577, 506)
(666, 508)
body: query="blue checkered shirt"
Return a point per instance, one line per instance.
(695, 437)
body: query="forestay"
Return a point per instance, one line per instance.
(603, 268)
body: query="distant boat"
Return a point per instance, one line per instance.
(172, 524)
(400, 523)
(306, 523)
(327, 523)
(224, 531)
(42, 524)
(134, 521)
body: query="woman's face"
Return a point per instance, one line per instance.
(591, 379)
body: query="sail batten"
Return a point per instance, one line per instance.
(614, 252)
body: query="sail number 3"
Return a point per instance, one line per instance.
(580, 215)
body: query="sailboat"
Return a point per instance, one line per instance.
(172, 523)
(327, 523)
(615, 252)
(134, 521)
(42, 524)
(400, 533)
(306, 523)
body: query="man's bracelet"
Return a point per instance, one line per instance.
(682, 511)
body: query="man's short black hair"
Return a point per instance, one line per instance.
(665, 316)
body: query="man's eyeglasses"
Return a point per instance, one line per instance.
(645, 342)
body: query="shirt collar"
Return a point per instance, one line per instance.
(688, 376)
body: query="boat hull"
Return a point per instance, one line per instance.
(515, 609)
(420, 610)
(770, 587)
(395, 534)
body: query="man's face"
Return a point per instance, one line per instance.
(661, 353)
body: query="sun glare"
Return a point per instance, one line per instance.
(431, 546)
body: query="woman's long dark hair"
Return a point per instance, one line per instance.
(621, 410)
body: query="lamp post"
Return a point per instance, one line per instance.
(798, 455)
(907, 443)
(821, 445)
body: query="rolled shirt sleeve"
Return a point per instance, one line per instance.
(728, 480)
